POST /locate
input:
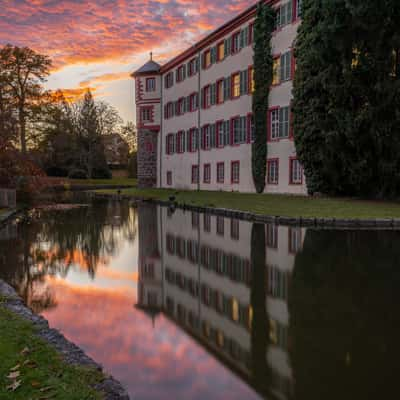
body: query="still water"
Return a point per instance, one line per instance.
(180, 305)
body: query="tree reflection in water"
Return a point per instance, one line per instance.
(54, 241)
(345, 323)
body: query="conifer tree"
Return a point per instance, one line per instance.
(347, 96)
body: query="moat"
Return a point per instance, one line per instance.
(181, 305)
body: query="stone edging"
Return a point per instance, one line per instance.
(71, 353)
(341, 223)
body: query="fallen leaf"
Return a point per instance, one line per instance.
(14, 386)
(25, 351)
(14, 375)
(35, 384)
(15, 368)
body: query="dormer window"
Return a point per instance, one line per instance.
(150, 84)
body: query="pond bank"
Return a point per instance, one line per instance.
(285, 220)
(29, 343)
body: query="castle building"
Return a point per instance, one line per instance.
(194, 114)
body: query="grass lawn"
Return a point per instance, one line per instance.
(110, 182)
(42, 373)
(275, 205)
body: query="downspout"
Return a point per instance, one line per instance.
(161, 125)
(199, 121)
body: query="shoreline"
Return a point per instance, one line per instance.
(317, 222)
(71, 354)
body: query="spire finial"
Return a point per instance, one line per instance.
(151, 56)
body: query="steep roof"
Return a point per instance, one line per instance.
(148, 68)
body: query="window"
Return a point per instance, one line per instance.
(272, 236)
(169, 178)
(235, 229)
(252, 83)
(220, 91)
(220, 226)
(279, 125)
(220, 133)
(206, 130)
(238, 126)
(235, 42)
(207, 59)
(284, 14)
(192, 67)
(285, 66)
(298, 8)
(220, 51)
(146, 114)
(169, 80)
(207, 97)
(180, 73)
(193, 102)
(296, 172)
(251, 33)
(180, 143)
(150, 84)
(220, 172)
(195, 174)
(235, 172)
(274, 124)
(273, 171)
(207, 173)
(170, 144)
(194, 139)
(294, 240)
(276, 68)
(236, 85)
(251, 128)
(181, 106)
(169, 110)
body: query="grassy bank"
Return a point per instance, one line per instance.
(41, 374)
(275, 205)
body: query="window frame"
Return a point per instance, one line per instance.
(292, 160)
(219, 44)
(219, 84)
(195, 178)
(271, 161)
(206, 56)
(235, 180)
(235, 85)
(169, 178)
(219, 179)
(207, 179)
(235, 38)
(149, 110)
(150, 89)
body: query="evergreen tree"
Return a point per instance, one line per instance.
(347, 96)
(263, 68)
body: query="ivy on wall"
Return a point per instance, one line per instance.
(347, 97)
(263, 70)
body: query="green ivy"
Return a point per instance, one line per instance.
(347, 97)
(263, 70)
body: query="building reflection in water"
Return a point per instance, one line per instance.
(230, 296)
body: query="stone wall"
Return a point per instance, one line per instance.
(147, 158)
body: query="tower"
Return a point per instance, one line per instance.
(148, 121)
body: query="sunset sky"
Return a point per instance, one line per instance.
(98, 43)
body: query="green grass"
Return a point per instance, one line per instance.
(110, 182)
(275, 205)
(44, 375)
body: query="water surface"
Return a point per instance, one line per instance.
(181, 305)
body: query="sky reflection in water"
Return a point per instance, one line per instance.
(187, 306)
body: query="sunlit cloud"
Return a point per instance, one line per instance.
(118, 34)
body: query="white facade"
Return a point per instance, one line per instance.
(176, 165)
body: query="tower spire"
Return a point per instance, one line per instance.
(151, 56)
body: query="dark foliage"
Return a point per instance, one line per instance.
(347, 97)
(263, 66)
